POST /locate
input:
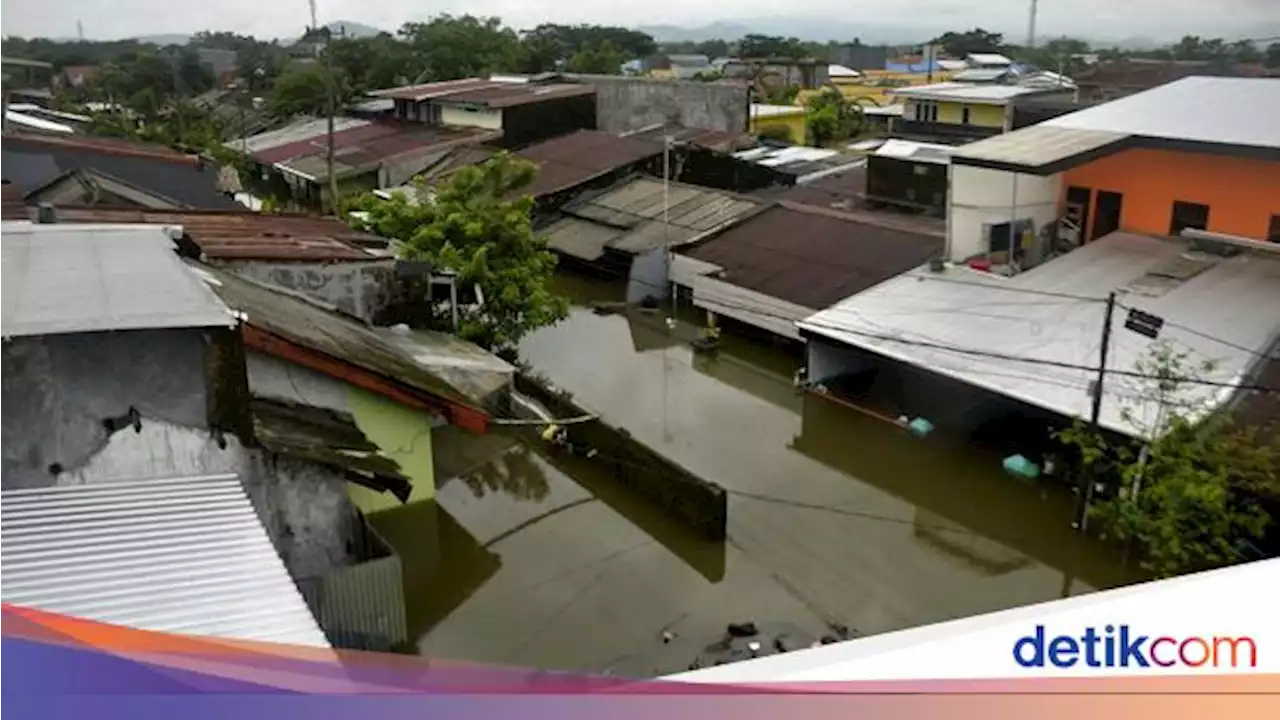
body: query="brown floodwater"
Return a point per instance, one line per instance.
(835, 517)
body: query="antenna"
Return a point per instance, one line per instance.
(80, 30)
(1031, 26)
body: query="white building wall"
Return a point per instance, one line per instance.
(469, 117)
(979, 197)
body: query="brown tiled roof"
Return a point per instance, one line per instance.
(815, 257)
(490, 93)
(245, 235)
(579, 157)
(844, 190)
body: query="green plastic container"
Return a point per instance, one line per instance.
(1022, 467)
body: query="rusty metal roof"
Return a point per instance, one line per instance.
(243, 235)
(368, 144)
(814, 257)
(582, 156)
(481, 91)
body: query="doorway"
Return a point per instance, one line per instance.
(1106, 215)
(1077, 211)
(1188, 215)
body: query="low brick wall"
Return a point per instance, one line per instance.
(698, 503)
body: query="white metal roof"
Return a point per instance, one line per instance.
(1235, 300)
(1038, 145)
(884, 110)
(295, 132)
(952, 64)
(917, 151)
(36, 123)
(1235, 111)
(965, 92)
(987, 59)
(840, 71)
(183, 555)
(762, 110)
(980, 74)
(86, 278)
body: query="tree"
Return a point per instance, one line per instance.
(1187, 500)
(712, 48)
(302, 89)
(1244, 51)
(451, 48)
(831, 117)
(768, 46)
(374, 62)
(598, 59)
(476, 223)
(976, 40)
(1272, 59)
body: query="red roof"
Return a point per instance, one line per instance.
(245, 235)
(119, 147)
(373, 142)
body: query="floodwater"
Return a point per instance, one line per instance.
(836, 518)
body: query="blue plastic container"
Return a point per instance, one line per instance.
(1022, 467)
(920, 427)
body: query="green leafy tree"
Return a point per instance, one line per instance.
(1272, 59)
(771, 46)
(976, 40)
(831, 117)
(1187, 500)
(478, 224)
(302, 89)
(598, 59)
(451, 48)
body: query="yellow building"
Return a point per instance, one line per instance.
(770, 119)
(875, 87)
(961, 111)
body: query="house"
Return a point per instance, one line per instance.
(110, 171)
(1167, 198)
(120, 413)
(368, 154)
(807, 73)
(677, 67)
(909, 175)
(586, 157)
(786, 123)
(627, 230)
(959, 112)
(861, 57)
(519, 110)
(772, 268)
(798, 165)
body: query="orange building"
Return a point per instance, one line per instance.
(1201, 153)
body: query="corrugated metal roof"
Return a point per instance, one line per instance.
(813, 257)
(244, 235)
(184, 555)
(87, 278)
(916, 151)
(1231, 111)
(980, 74)
(299, 131)
(494, 93)
(1037, 146)
(987, 59)
(1236, 299)
(579, 157)
(964, 92)
(582, 239)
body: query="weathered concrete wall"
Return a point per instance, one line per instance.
(701, 504)
(361, 289)
(625, 103)
(57, 391)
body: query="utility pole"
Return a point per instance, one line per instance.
(1085, 490)
(330, 108)
(1031, 26)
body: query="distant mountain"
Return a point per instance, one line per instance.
(813, 29)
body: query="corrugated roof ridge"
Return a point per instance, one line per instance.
(122, 150)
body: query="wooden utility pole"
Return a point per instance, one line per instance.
(1084, 493)
(330, 107)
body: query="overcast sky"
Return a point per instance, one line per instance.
(1094, 18)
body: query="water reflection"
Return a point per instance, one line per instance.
(512, 473)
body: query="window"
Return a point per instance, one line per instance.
(1273, 231)
(926, 112)
(964, 115)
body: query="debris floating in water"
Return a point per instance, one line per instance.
(920, 427)
(1022, 467)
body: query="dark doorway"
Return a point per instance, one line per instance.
(1078, 201)
(1273, 230)
(1106, 217)
(1188, 215)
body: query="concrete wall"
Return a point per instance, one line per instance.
(698, 503)
(624, 103)
(362, 289)
(980, 197)
(58, 390)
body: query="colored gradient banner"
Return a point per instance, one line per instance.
(61, 667)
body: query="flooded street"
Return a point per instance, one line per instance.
(835, 517)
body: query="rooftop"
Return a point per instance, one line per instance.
(32, 161)
(486, 92)
(579, 157)
(987, 59)
(184, 554)
(916, 151)
(965, 92)
(629, 218)
(245, 235)
(1221, 309)
(1195, 113)
(805, 163)
(811, 256)
(87, 278)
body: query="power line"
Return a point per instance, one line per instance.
(1207, 336)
